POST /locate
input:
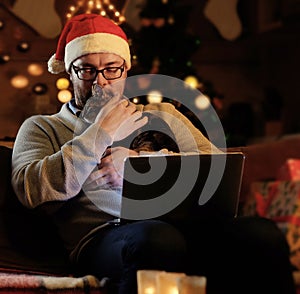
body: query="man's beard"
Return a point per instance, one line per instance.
(98, 98)
(103, 94)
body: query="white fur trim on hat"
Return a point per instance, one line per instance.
(97, 43)
(86, 34)
(55, 66)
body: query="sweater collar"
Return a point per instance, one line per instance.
(74, 109)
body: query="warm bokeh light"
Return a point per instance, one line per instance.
(62, 84)
(136, 100)
(64, 96)
(149, 290)
(35, 69)
(19, 81)
(192, 81)
(23, 46)
(40, 88)
(102, 7)
(202, 102)
(2, 24)
(154, 97)
(4, 58)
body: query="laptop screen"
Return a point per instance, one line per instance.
(182, 186)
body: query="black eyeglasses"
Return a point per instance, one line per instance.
(90, 73)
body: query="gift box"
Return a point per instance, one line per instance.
(290, 170)
(280, 202)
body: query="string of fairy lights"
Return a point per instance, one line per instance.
(106, 9)
(102, 7)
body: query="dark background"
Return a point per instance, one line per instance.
(256, 75)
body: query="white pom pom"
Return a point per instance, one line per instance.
(55, 66)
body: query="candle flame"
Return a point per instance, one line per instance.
(150, 290)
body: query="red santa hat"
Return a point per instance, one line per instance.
(88, 33)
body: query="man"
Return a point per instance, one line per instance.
(64, 166)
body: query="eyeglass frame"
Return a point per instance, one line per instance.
(97, 71)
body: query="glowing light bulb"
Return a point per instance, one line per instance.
(64, 96)
(192, 81)
(154, 97)
(202, 102)
(62, 84)
(35, 69)
(19, 81)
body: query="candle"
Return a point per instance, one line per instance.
(192, 285)
(161, 282)
(147, 281)
(167, 283)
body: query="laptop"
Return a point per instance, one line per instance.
(180, 187)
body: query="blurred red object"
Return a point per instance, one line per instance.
(290, 170)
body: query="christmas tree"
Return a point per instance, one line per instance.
(163, 44)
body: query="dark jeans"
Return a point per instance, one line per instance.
(240, 256)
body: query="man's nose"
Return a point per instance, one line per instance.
(97, 90)
(100, 80)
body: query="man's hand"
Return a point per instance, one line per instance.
(110, 169)
(120, 118)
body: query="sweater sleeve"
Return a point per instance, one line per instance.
(50, 163)
(188, 137)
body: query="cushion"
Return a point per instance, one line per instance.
(18, 283)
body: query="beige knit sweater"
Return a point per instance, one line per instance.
(54, 155)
